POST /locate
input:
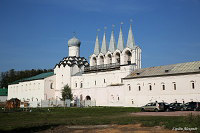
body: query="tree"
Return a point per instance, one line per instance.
(11, 75)
(66, 93)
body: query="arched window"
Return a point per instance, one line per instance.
(129, 87)
(163, 87)
(109, 59)
(192, 84)
(81, 86)
(51, 85)
(127, 57)
(174, 84)
(101, 60)
(94, 61)
(88, 98)
(150, 87)
(117, 57)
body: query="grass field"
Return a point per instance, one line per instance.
(43, 118)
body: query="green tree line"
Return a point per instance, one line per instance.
(10, 76)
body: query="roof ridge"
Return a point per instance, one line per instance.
(169, 65)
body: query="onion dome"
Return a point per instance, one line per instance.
(74, 42)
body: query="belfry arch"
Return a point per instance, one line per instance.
(101, 60)
(93, 61)
(117, 57)
(127, 57)
(108, 59)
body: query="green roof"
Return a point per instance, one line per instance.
(37, 77)
(3, 91)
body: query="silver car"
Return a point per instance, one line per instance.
(156, 106)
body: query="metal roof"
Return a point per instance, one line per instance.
(3, 91)
(73, 60)
(181, 68)
(39, 76)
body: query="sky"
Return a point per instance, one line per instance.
(34, 33)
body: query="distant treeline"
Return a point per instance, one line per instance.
(10, 76)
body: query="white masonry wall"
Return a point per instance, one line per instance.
(49, 88)
(183, 93)
(98, 86)
(27, 91)
(74, 51)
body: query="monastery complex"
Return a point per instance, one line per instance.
(112, 77)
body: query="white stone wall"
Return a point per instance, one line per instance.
(184, 91)
(28, 91)
(49, 87)
(98, 86)
(104, 96)
(100, 79)
(63, 77)
(74, 51)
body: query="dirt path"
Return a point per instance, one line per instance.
(175, 113)
(131, 128)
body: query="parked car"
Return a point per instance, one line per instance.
(191, 106)
(175, 106)
(156, 106)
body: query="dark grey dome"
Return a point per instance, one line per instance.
(74, 42)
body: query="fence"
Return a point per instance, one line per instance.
(58, 103)
(85, 103)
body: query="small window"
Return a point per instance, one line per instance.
(76, 84)
(129, 88)
(150, 87)
(192, 85)
(104, 81)
(81, 85)
(163, 87)
(174, 86)
(118, 98)
(139, 88)
(95, 82)
(51, 85)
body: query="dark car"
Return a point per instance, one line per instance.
(175, 106)
(192, 106)
(156, 106)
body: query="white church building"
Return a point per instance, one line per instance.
(114, 77)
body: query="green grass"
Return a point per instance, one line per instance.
(41, 118)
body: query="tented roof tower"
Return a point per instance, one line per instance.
(104, 46)
(120, 44)
(130, 41)
(97, 46)
(112, 46)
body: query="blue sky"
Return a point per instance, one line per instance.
(34, 33)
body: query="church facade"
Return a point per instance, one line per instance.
(114, 77)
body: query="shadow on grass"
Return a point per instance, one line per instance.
(30, 129)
